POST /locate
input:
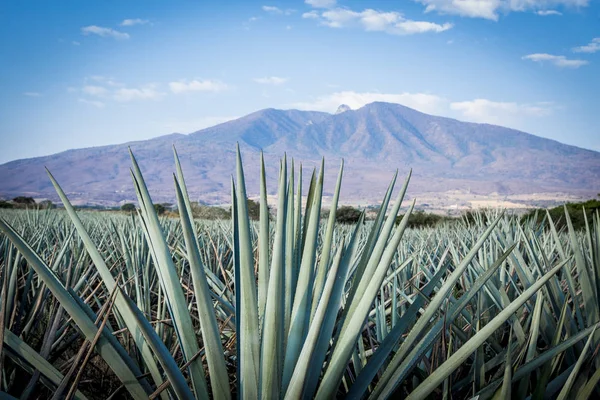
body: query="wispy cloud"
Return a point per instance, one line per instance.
(94, 103)
(104, 32)
(491, 9)
(32, 94)
(477, 110)
(106, 89)
(545, 13)
(559, 61)
(375, 21)
(75, 43)
(135, 21)
(94, 90)
(321, 3)
(495, 112)
(197, 86)
(271, 80)
(147, 92)
(277, 10)
(424, 102)
(591, 47)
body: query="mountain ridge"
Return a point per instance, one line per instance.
(445, 153)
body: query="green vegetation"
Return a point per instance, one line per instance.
(347, 215)
(128, 207)
(98, 305)
(200, 211)
(421, 219)
(575, 210)
(160, 209)
(24, 200)
(5, 204)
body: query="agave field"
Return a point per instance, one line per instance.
(136, 306)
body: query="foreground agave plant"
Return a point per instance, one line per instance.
(299, 309)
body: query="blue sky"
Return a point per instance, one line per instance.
(88, 73)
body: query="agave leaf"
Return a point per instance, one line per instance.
(302, 300)
(263, 243)
(125, 369)
(295, 389)
(417, 330)
(380, 355)
(569, 384)
(327, 244)
(438, 376)
(169, 280)
(372, 262)
(272, 334)
(29, 355)
(290, 244)
(335, 302)
(590, 296)
(505, 391)
(347, 338)
(432, 333)
(109, 281)
(208, 323)
(247, 306)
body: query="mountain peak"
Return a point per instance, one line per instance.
(343, 108)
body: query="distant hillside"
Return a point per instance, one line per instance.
(445, 154)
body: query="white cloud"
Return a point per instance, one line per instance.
(94, 90)
(271, 80)
(135, 21)
(104, 32)
(559, 61)
(545, 13)
(311, 15)
(107, 89)
(591, 47)
(147, 92)
(371, 20)
(493, 112)
(490, 9)
(277, 10)
(197, 86)
(94, 103)
(32, 94)
(479, 110)
(423, 102)
(75, 43)
(320, 3)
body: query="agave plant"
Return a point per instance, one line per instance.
(295, 307)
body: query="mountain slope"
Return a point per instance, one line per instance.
(445, 154)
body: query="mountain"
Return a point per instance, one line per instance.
(375, 140)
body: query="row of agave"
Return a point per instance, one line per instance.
(294, 307)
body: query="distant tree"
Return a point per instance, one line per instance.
(201, 211)
(160, 209)
(47, 204)
(421, 219)
(557, 214)
(23, 200)
(129, 207)
(4, 204)
(253, 209)
(347, 215)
